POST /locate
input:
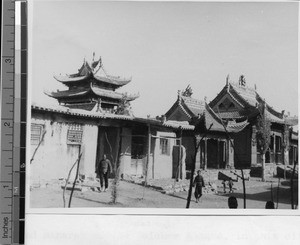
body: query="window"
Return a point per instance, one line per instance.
(36, 133)
(278, 143)
(164, 147)
(272, 143)
(74, 135)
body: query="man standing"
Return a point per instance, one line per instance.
(103, 169)
(198, 183)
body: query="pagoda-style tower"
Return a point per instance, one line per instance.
(92, 88)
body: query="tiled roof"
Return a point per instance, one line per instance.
(67, 78)
(112, 94)
(231, 114)
(247, 93)
(190, 106)
(247, 97)
(98, 91)
(86, 73)
(273, 118)
(68, 93)
(211, 117)
(103, 115)
(80, 112)
(292, 120)
(113, 80)
(178, 124)
(194, 105)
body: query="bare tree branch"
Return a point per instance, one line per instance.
(40, 142)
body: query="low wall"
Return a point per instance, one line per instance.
(270, 170)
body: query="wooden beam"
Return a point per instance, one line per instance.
(205, 153)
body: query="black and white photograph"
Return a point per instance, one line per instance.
(163, 105)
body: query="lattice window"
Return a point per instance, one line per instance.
(74, 135)
(36, 133)
(164, 147)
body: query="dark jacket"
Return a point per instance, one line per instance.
(199, 181)
(103, 166)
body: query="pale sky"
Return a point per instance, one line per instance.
(166, 46)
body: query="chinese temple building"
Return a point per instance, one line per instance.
(238, 102)
(91, 88)
(227, 127)
(215, 150)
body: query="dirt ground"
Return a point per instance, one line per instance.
(136, 196)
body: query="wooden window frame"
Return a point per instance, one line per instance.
(36, 138)
(74, 134)
(164, 146)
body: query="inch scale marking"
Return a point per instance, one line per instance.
(7, 120)
(13, 135)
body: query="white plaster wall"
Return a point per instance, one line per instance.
(89, 149)
(163, 163)
(55, 157)
(125, 163)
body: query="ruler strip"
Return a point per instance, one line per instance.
(7, 121)
(17, 128)
(21, 114)
(13, 121)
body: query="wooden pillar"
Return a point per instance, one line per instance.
(198, 154)
(218, 153)
(201, 156)
(205, 153)
(148, 154)
(180, 158)
(253, 147)
(226, 154)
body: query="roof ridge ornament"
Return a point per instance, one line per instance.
(179, 94)
(227, 80)
(242, 81)
(188, 92)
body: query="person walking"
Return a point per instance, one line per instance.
(232, 202)
(198, 183)
(103, 169)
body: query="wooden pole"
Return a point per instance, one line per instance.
(179, 170)
(192, 174)
(74, 183)
(231, 142)
(244, 188)
(272, 198)
(292, 186)
(193, 167)
(117, 166)
(67, 180)
(40, 142)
